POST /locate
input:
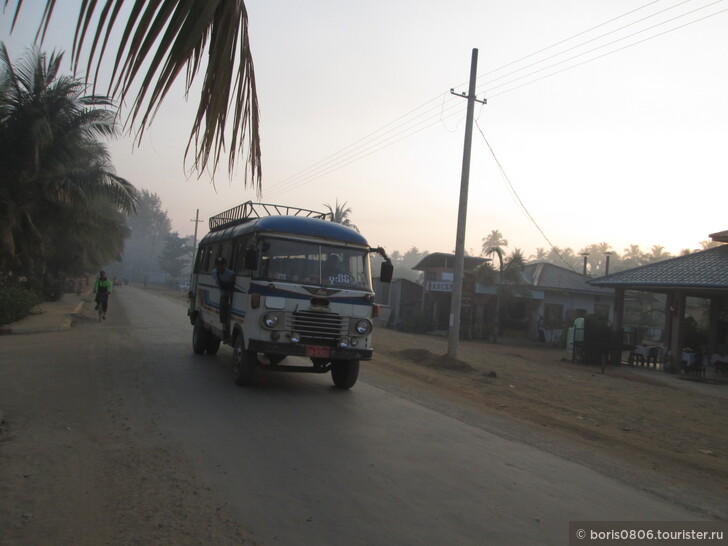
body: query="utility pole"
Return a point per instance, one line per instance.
(194, 240)
(453, 338)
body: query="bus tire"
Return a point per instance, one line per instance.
(244, 363)
(200, 337)
(344, 373)
(213, 344)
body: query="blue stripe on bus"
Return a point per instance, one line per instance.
(289, 294)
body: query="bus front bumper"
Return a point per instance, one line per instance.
(295, 349)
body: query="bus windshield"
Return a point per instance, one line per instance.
(314, 264)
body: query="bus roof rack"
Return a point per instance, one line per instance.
(251, 211)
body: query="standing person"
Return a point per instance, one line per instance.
(539, 326)
(225, 279)
(102, 289)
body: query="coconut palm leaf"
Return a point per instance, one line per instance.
(160, 39)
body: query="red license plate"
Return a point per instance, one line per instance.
(313, 351)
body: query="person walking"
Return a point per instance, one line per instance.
(102, 289)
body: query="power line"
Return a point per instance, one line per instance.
(610, 44)
(520, 203)
(571, 38)
(587, 42)
(427, 114)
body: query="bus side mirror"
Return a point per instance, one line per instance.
(251, 259)
(386, 272)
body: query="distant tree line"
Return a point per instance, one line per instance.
(495, 245)
(153, 253)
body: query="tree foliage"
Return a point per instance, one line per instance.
(403, 264)
(175, 256)
(55, 171)
(505, 273)
(341, 214)
(493, 240)
(149, 230)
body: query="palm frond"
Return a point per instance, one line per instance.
(161, 38)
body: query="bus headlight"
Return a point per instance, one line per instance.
(295, 337)
(270, 320)
(363, 327)
(343, 343)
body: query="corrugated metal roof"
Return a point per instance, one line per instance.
(548, 276)
(442, 260)
(707, 269)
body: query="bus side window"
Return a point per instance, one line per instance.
(214, 255)
(220, 249)
(226, 251)
(205, 255)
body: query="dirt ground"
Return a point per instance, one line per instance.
(672, 429)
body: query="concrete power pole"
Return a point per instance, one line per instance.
(194, 240)
(453, 338)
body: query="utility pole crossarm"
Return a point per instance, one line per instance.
(465, 96)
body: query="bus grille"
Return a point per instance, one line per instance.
(318, 328)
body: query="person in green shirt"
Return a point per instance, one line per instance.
(102, 289)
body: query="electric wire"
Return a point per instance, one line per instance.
(410, 124)
(572, 37)
(518, 200)
(572, 48)
(591, 59)
(360, 151)
(353, 151)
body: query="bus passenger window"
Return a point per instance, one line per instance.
(205, 256)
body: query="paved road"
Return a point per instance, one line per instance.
(295, 461)
(301, 462)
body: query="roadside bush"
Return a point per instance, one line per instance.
(16, 303)
(53, 287)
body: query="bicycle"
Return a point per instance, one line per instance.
(102, 304)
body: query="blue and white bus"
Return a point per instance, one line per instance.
(303, 287)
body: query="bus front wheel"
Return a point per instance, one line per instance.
(244, 363)
(344, 373)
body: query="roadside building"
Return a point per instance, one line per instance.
(546, 301)
(401, 302)
(681, 281)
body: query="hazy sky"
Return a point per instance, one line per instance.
(609, 119)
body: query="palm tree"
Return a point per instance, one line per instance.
(705, 245)
(161, 39)
(540, 256)
(340, 214)
(658, 254)
(494, 239)
(597, 256)
(509, 273)
(564, 257)
(52, 165)
(633, 257)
